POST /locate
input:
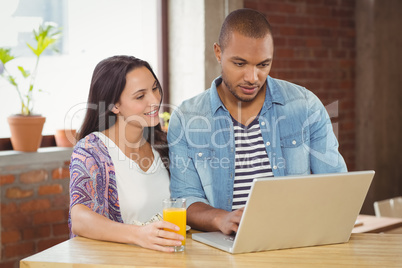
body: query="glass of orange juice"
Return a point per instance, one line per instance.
(174, 211)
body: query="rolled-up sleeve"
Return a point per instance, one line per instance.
(323, 147)
(185, 181)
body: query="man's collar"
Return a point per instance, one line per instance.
(272, 95)
(216, 101)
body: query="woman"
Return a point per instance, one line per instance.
(118, 178)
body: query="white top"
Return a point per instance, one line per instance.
(140, 193)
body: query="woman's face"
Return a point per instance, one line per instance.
(140, 100)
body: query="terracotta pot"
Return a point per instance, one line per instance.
(65, 137)
(26, 132)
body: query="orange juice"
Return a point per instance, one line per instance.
(176, 216)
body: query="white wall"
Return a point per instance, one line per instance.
(186, 49)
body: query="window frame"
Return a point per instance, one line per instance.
(163, 76)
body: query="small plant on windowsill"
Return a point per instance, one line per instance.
(45, 35)
(165, 117)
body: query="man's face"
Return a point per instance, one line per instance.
(245, 63)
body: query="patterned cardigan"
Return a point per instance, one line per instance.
(93, 179)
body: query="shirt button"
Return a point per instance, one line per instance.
(275, 167)
(231, 175)
(268, 143)
(262, 123)
(294, 142)
(199, 154)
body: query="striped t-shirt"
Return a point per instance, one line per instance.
(251, 160)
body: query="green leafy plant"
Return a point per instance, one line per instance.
(165, 117)
(46, 35)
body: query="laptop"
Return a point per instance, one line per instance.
(296, 211)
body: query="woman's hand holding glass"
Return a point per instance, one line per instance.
(153, 236)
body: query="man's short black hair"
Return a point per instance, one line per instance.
(245, 21)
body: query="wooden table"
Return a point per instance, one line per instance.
(373, 224)
(363, 250)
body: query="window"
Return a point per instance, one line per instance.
(92, 31)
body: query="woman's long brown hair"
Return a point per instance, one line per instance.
(107, 84)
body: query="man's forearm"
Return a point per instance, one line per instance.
(203, 217)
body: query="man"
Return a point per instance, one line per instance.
(246, 126)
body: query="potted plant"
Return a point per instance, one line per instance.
(26, 127)
(65, 137)
(165, 117)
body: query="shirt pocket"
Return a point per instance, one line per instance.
(296, 154)
(203, 160)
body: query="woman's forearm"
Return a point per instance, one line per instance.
(90, 224)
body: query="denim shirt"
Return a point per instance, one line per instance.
(295, 127)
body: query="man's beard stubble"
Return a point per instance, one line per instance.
(231, 89)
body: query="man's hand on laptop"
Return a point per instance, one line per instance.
(228, 223)
(203, 217)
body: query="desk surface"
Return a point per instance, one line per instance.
(363, 250)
